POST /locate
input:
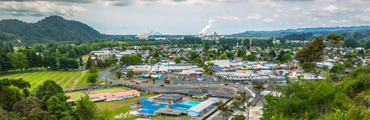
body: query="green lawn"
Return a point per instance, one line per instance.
(66, 79)
(115, 89)
(122, 105)
(75, 95)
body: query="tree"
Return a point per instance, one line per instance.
(50, 62)
(25, 106)
(334, 39)
(252, 57)
(131, 60)
(19, 60)
(258, 86)
(223, 56)
(32, 59)
(5, 62)
(286, 58)
(100, 64)
(92, 78)
(312, 52)
(224, 109)
(153, 80)
(89, 63)
(72, 54)
(367, 45)
(93, 69)
(177, 60)
(353, 43)
(57, 105)
(47, 89)
(86, 109)
(119, 74)
(130, 74)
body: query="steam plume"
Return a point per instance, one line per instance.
(145, 35)
(212, 20)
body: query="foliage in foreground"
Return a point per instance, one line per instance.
(347, 99)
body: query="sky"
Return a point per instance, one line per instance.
(193, 16)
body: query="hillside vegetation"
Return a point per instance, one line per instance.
(348, 99)
(49, 30)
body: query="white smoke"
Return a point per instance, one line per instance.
(213, 20)
(145, 35)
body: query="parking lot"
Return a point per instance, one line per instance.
(195, 81)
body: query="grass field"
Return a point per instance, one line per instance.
(66, 79)
(122, 105)
(115, 89)
(75, 95)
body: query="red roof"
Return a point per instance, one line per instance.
(114, 94)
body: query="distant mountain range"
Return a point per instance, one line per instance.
(57, 29)
(50, 29)
(358, 32)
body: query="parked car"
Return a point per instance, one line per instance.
(161, 85)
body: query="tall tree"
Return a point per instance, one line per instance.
(19, 60)
(86, 109)
(119, 74)
(92, 78)
(50, 62)
(57, 105)
(130, 74)
(312, 52)
(46, 90)
(335, 40)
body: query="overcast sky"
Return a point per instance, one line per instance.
(192, 16)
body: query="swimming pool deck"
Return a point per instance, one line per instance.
(167, 111)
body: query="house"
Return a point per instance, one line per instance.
(169, 98)
(202, 107)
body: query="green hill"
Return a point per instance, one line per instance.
(49, 29)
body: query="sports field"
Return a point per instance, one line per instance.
(66, 79)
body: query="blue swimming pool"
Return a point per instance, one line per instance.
(150, 109)
(184, 106)
(147, 111)
(191, 103)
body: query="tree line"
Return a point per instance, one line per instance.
(50, 56)
(46, 102)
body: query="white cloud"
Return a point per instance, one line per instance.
(254, 17)
(38, 8)
(271, 4)
(227, 18)
(279, 10)
(268, 20)
(363, 17)
(339, 21)
(316, 19)
(331, 8)
(296, 8)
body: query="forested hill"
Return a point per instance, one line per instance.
(50, 29)
(356, 32)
